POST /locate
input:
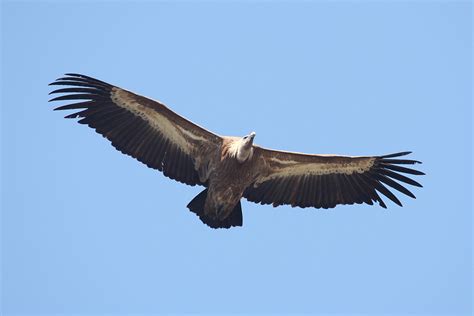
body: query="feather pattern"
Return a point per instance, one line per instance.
(140, 127)
(324, 181)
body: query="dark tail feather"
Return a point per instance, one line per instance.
(235, 218)
(197, 206)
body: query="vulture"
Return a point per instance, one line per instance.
(229, 168)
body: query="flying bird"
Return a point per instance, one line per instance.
(229, 168)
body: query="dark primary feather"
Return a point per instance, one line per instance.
(128, 132)
(329, 190)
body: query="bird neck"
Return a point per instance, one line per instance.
(244, 153)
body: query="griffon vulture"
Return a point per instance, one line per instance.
(228, 167)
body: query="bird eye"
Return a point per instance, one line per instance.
(245, 137)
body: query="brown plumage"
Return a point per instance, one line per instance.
(229, 167)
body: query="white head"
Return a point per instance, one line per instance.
(245, 149)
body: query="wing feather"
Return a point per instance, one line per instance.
(140, 127)
(324, 181)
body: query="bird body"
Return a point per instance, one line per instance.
(229, 167)
(230, 177)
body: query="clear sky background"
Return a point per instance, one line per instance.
(87, 230)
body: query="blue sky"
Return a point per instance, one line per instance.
(87, 230)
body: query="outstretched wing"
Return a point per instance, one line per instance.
(324, 181)
(140, 127)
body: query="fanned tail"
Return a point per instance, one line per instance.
(197, 206)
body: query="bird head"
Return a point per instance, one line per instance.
(248, 139)
(244, 149)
